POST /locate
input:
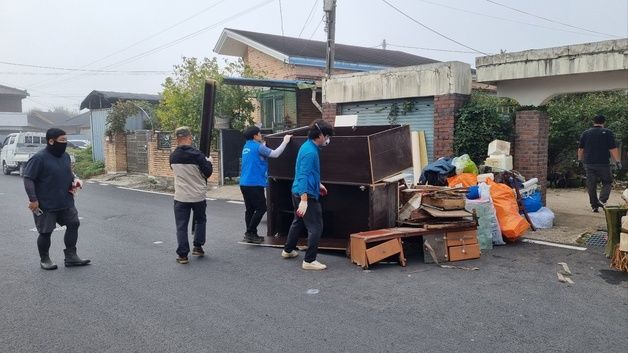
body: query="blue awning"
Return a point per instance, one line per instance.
(256, 82)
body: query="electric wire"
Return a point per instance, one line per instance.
(309, 17)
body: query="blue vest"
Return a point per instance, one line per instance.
(254, 166)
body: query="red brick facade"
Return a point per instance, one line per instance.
(330, 110)
(445, 109)
(115, 154)
(531, 146)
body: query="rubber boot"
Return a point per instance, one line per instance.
(72, 259)
(46, 263)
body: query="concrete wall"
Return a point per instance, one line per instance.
(536, 91)
(405, 82)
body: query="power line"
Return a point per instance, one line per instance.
(430, 29)
(309, 17)
(82, 70)
(281, 17)
(433, 49)
(181, 39)
(550, 20)
(146, 38)
(504, 19)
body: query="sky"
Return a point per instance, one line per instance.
(142, 40)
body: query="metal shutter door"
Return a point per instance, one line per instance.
(421, 117)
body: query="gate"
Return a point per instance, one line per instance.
(137, 151)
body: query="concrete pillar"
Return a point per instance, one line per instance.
(531, 146)
(445, 109)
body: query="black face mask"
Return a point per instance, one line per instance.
(57, 148)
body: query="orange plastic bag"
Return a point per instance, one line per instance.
(462, 180)
(512, 224)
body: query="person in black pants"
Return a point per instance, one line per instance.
(191, 169)
(597, 145)
(51, 186)
(254, 179)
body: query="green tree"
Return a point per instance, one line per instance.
(116, 119)
(571, 114)
(182, 97)
(483, 119)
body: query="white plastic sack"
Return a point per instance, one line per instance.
(488, 226)
(543, 218)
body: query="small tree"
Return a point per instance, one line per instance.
(182, 97)
(116, 120)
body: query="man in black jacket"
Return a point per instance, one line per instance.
(191, 169)
(50, 186)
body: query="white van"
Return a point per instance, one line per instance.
(17, 148)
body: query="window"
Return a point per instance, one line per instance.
(278, 109)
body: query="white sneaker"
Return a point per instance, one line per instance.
(314, 265)
(289, 255)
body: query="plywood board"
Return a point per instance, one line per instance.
(416, 157)
(445, 214)
(423, 149)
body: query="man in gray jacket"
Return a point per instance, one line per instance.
(191, 169)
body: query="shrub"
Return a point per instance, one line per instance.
(84, 166)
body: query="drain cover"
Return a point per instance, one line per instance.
(598, 239)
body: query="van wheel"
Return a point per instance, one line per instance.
(21, 169)
(5, 168)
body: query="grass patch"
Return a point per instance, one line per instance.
(84, 166)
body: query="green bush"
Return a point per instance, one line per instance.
(84, 166)
(483, 119)
(572, 114)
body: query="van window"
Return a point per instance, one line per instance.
(6, 141)
(12, 140)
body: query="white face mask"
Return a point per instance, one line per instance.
(327, 142)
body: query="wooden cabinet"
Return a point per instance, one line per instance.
(352, 168)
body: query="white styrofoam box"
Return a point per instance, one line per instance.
(624, 224)
(501, 162)
(499, 147)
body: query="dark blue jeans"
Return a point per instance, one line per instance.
(182, 212)
(255, 204)
(312, 221)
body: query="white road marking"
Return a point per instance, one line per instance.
(103, 184)
(146, 191)
(56, 229)
(91, 182)
(540, 242)
(236, 202)
(210, 199)
(158, 242)
(312, 291)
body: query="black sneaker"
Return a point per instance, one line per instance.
(182, 260)
(253, 238)
(595, 210)
(198, 251)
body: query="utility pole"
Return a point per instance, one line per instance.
(329, 6)
(384, 44)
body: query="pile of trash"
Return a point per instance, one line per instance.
(505, 203)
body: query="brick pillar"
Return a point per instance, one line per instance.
(445, 109)
(531, 146)
(115, 154)
(330, 110)
(159, 159)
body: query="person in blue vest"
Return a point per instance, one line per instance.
(306, 189)
(254, 179)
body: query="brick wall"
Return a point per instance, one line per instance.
(445, 109)
(115, 154)
(330, 110)
(531, 146)
(272, 68)
(159, 161)
(306, 111)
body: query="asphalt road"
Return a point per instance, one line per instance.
(240, 298)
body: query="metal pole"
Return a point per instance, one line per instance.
(329, 6)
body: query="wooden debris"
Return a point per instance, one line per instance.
(413, 204)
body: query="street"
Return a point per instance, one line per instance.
(240, 298)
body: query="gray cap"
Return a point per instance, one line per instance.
(182, 131)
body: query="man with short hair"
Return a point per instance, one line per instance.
(50, 186)
(306, 189)
(597, 144)
(254, 179)
(191, 169)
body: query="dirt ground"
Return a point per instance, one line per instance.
(573, 216)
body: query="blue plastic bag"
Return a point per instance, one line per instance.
(533, 202)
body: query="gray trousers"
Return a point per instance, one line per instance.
(598, 173)
(312, 221)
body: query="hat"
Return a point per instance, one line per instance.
(183, 131)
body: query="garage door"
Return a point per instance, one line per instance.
(417, 112)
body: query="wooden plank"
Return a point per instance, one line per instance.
(437, 243)
(423, 150)
(391, 152)
(358, 252)
(445, 214)
(462, 238)
(464, 252)
(384, 250)
(416, 157)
